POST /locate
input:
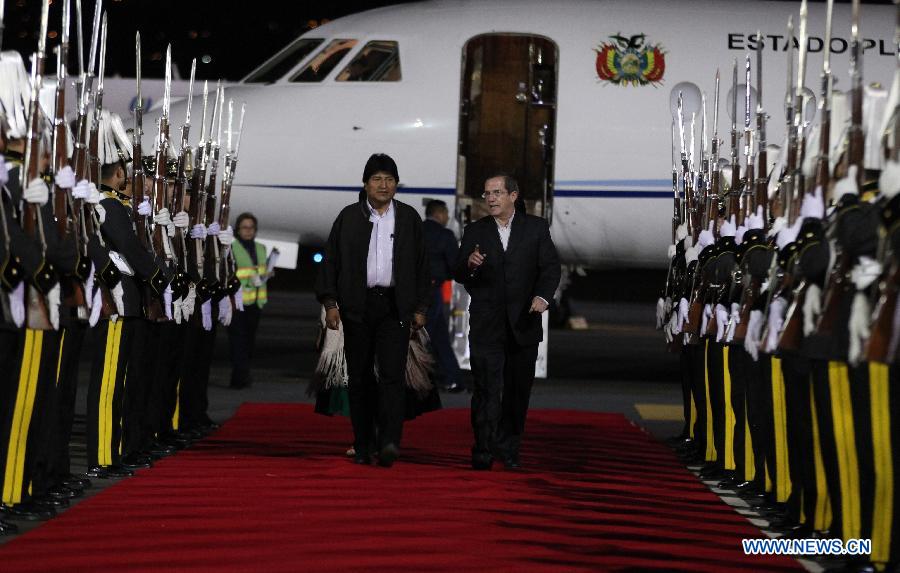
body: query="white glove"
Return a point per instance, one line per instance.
(167, 302)
(225, 311)
(17, 302)
(670, 327)
(4, 173)
(756, 221)
(813, 205)
(213, 230)
(691, 255)
(226, 236)
(706, 237)
(866, 271)
(96, 307)
(187, 304)
(733, 320)
(94, 196)
(754, 327)
(739, 234)
(728, 227)
(177, 310)
(118, 294)
(707, 314)
(101, 213)
(36, 192)
(206, 310)
(89, 288)
(889, 180)
(681, 232)
(144, 208)
(847, 185)
(65, 178)
(812, 308)
(859, 328)
(789, 234)
(53, 300)
(671, 252)
(82, 189)
(120, 263)
(239, 300)
(683, 307)
(198, 232)
(721, 322)
(776, 318)
(181, 220)
(777, 225)
(660, 312)
(162, 217)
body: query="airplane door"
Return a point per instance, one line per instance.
(507, 123)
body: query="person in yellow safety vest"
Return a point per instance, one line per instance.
(250, 258)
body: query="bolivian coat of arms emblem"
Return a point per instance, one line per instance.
(631, 61)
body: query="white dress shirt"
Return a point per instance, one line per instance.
(380, 262)
(504, 230)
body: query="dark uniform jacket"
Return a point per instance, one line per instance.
(503, 287)
(440, 244)
(118, 232)
(342, 277)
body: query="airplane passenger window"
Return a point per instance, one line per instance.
(325, 61)
(281, 64)
(376, 62)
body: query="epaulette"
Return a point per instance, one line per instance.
(111, 193)
(11, 272)
(110, 274)
(158, 282)
(44, 278)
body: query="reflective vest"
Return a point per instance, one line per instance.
(248, 273)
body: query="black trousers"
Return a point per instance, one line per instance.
(715, 368)
(164, 394)
(145, 355)
(684, 363)
(193, 398)
(738, 370)
(439, 332)
(242, 340)
(381, 340)
(67, 387)
(759, 414)
(696, 355)
(822, 384)
(12, 344)
(106, 390)
(801, 450)
(503, 379)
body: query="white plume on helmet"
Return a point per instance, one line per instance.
(113, 143)
(15, 92)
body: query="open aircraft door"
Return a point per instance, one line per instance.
(507, 121)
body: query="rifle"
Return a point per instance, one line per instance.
(882, 343)
(181, 282)
(141, 223)
(212, 243)
(162, 247)
(792, 331)
(230, 281)
(839, 285)
(198, 200)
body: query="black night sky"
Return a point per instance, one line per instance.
(229, 38)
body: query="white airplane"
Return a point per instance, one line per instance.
(570, 96)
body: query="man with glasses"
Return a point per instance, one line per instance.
(375, 279)
(510, 268)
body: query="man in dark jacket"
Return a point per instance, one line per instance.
(510, 268)
(375, 279)
(440, 244)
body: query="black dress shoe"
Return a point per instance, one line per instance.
(7, 528)
(362, 459)
(98, 472)
(727, 483)
(117, 471)
(135, 462)
(28, 511)
(47, 501)
(511, 462)
(63, 492)
(71, 480)
(482, 462)
(388, 455)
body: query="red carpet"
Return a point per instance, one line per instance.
(272, 491)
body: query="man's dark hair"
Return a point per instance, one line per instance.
(434, 206)
(380, 162)
(512, 186)
(109, 170)
(243, 217)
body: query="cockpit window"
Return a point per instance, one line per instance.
(325, 61)
(281, 64)
(376, 62)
